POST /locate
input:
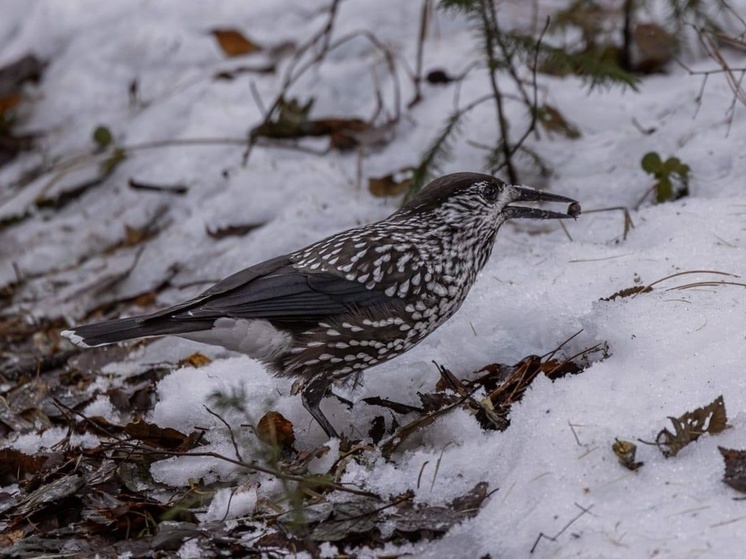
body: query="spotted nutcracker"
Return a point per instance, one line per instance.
(352, 300)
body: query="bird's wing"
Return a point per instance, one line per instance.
(276, 290)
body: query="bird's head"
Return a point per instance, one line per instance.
(480, 204)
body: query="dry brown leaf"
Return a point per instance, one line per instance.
(160, 437)
(389, 185)
(554, 121)
(291, 121)
(15, 465)
(234, 43)
(196, 359)
(438, 77)
(8, 102)
(735, 468)
(656, 47)
(232, 230)
(690, 426)
(275, 430)
(625, 452)
(417, 518)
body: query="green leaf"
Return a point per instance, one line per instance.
(651, 163)
(671, 165)
(682, 170)
(102, 137)
(663, 190)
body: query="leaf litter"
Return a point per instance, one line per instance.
(105, 494)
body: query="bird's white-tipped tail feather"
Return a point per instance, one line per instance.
(123, 329)
(74, 338)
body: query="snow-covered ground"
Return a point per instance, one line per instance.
(670, 350)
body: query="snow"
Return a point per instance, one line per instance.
(670, 350)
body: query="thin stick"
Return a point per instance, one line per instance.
(230, 431)
(417, 78)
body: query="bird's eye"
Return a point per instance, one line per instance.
(490, 192)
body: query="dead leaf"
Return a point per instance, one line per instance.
(11, 146)
(656, 47)
(625, 452)
(274, 430)
(345, 519)
(12, 76)
(195, 360)
(438, 77)
(291, 121)
(15, 465)
(735, 468)
(504, 384)
(234, 43)
(389, 185)
(418, 518)
(554, 121)
(51, 492)
(690, 426)
(9, 102)
(232, 230)
(377, 429)
(230, 75)
(291, 117)
(161, 437)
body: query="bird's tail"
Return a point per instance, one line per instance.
(120, 330)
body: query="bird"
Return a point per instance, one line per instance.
(358, 298)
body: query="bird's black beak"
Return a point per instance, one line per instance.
(529, 195)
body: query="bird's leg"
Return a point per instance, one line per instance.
(312, 394)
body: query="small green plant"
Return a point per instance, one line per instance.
(102, 137)
(671, 176)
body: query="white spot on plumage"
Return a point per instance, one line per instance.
(404, 288)
(439, 290)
